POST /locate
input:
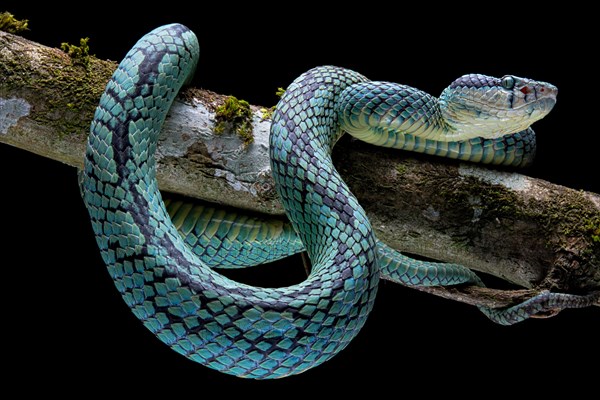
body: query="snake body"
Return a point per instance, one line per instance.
(167, 279)
(246, 331)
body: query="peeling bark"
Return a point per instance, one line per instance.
(530, 232)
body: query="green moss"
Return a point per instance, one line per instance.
(401, 168)
(267, 113)
(573, 215)
(592, 226)
(236, 115)
(8, 23)
(80, 54)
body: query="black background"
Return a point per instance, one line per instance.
(66, 321)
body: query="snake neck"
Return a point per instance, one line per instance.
(404, 118)
(384, 113)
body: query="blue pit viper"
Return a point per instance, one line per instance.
(166, 276)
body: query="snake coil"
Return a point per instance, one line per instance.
(267, 333)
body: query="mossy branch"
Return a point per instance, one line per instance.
(529, 232)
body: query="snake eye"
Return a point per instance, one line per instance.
(508, 82)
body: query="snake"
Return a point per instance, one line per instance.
(163, 259)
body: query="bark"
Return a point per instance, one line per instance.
(526, 231)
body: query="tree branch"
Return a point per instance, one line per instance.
(527, 231)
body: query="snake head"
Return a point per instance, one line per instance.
(484, 106)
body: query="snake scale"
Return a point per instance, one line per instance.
(166, 276)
